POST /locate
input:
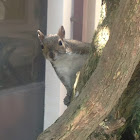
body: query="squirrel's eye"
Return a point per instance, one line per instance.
(42, 47)
(60, 43)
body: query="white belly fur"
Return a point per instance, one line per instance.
(68, 65)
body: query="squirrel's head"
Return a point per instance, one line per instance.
(53, 45)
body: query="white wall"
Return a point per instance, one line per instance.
(54, 16)
(67, 14)
(52, 83)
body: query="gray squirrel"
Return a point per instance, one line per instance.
(66, 56)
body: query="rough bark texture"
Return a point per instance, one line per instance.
(122, 117)
(106, 84)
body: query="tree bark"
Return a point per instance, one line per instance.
(123, 114)
(107, 83)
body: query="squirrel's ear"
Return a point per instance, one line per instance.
(40, 35)
(61, 32)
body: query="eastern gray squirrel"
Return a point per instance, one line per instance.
(66, 56)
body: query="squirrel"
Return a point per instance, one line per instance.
(66, 56)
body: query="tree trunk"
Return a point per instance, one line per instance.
(123, 114)
(107, 83)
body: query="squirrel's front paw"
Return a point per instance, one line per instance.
(67, 100)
